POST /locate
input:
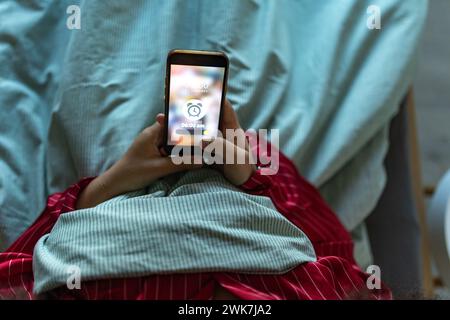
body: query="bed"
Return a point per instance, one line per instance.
(311, 69)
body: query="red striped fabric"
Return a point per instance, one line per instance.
(334, 275)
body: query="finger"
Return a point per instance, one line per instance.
(163, 152)
(161, 118)
(229, 117)
(152, 130)
(186, 159)
(167, 166)
(153, 133)
(226, 151)
(237, 137)
(159, 137)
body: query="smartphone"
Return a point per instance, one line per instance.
(195, 88)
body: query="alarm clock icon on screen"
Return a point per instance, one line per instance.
(194, 109)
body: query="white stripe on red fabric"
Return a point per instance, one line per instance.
(279, 287)
(32, 236)
(314, 227)
(9, 279)
(250, 288)
(330, 268)
(300, 284)
(314, 283)
(318, 269)
(23, 282)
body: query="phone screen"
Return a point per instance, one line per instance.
(195, 96)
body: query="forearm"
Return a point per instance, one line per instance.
(101, 189)
(94, 194)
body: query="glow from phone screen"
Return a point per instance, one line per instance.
(194, 103)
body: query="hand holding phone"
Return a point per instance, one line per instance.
(194, 96)
(195, 108)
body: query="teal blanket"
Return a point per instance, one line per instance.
(193, 222)
(71, 101)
